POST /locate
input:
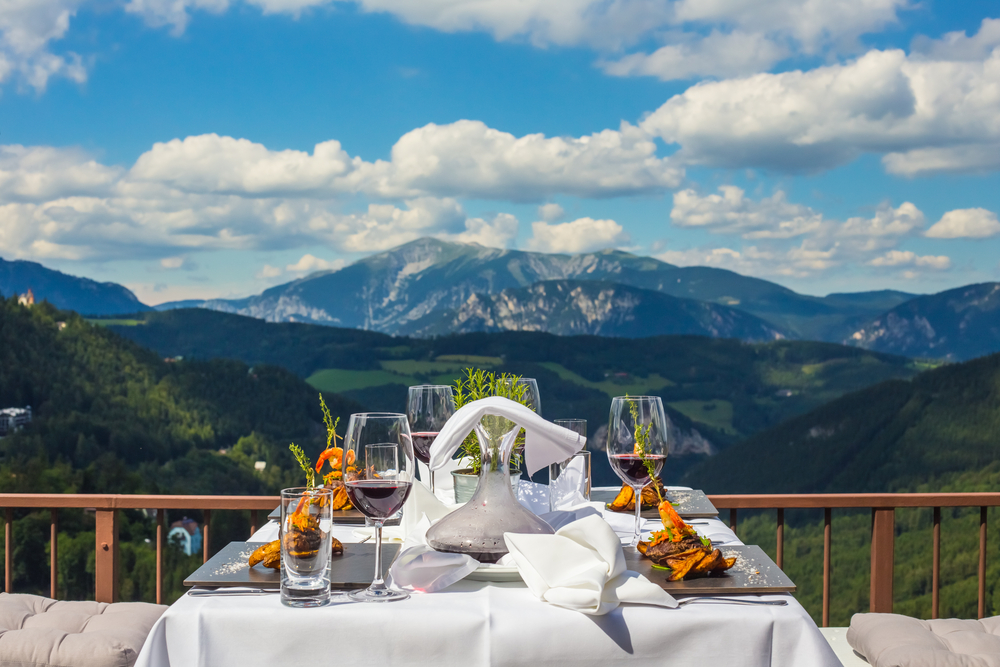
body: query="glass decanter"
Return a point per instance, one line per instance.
(477, 527)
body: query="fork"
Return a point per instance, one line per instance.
(718, 600)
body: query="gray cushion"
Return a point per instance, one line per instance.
(891, 640)
(37, 631)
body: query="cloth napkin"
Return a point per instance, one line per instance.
(582, 568)
(544, 442)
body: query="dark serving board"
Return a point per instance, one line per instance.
(351, 517)
(692, 504)
(754, 572)
(229, 567)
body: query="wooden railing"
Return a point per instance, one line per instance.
(883, 507)
(106, 530)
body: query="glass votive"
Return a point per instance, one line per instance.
(304, 531)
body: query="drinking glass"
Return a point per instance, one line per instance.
(531, 393)
(304, 532)
(378, 472)
(637, 444)
(428, 407)
(569, 480)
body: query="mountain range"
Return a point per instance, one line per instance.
(62, 290)
(430, 287)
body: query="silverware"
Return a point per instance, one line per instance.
(720, 600)
(364, 540)
(206, 592)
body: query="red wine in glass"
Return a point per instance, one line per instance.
(378, 498)
(632, 467)
(422, 442)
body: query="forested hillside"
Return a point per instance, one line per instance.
(112, 417)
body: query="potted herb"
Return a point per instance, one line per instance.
(478, 384)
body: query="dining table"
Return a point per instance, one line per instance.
(479, 623)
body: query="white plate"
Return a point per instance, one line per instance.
(494, 572)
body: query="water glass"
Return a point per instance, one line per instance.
(304, 532)
(569, 481)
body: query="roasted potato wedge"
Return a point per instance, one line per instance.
(269, 555)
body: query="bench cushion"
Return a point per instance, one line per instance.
(891, 640)
(37, 631)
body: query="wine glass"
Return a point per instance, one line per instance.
(378, 472)
(531, 394)
(428, 407)
(637, 444)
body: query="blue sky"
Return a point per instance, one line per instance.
(203, 148)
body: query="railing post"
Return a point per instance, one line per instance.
(732, 519)
(53, 550)
(936, 565)
(160, 514)
(8, 550)
(827, 540)
(253, 522)
(106, 562)
(204, 537)
(982, 561)
(781, 538)
(883, 539)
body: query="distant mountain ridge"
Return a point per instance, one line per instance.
(62, 290)
(575, 307)
(391, 291)
(957, 324)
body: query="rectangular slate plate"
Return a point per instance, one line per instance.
(754, 572)
(229, 567)
(692, 504)
(351, 517)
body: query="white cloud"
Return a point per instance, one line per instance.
(465, 158)
(174, 13)
(898, 258)
(582, 235)
(268, 271)
(495, 233)
(40, 173)
(550, 212)
(691, 56)
(958, 45)
(310, 264)
(733, 213)
(27, 29)
(925, 115)
(972, 223)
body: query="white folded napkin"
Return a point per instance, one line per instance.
(582, 568)
(444, 483)
(544, 442)
(421, 569)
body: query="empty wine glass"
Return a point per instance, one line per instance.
(637, 444)
(534, 399)
(378, 472)
(428, 407)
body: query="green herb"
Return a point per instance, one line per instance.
(705, 541)
(331, 424)
(478, 384)
(306, 464)
(641, 435)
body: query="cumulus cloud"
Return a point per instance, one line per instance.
(27, 29)
(581, 235)
(960, 46)
(550, 212)
(310, 264)
(822, 243)
(971, 223)
(39, 173)
(925, 115)
(690, 56)
(897, 258)
(268, 271)
(495, 233)
(733, 213)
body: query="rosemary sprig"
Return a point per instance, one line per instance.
(478, 384)
(641, 435)
(305, 463)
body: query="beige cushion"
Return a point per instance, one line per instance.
(891, 640)
(37, 632)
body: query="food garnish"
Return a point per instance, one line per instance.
(625, 500)
(332, 455)
(679, 548)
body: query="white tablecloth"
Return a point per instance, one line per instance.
(476, 623)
